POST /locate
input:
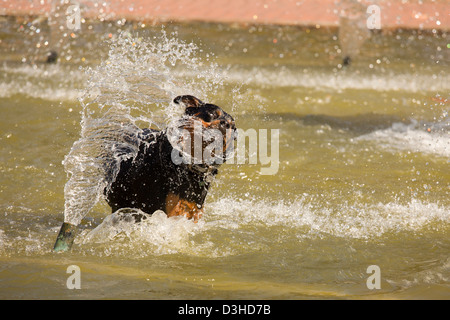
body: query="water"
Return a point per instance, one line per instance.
(363, 177)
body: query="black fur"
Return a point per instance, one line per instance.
(145, 181)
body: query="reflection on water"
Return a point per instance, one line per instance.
(363, 176)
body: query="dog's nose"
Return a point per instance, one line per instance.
(228, 128)
(227, 121)
(225, 124)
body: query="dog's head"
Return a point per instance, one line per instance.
(208, 131)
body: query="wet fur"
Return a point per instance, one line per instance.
(151, 181)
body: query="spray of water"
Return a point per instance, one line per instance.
(132, 89)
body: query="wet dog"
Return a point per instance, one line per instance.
(173, 169)
(158, 179)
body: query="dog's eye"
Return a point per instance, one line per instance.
(207, 117)
(214, 114)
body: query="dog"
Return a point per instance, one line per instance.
(152, 181)
(155, 178)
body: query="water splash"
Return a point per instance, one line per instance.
(132, 89)
(311, 218)
(157, 234)
(232, 227)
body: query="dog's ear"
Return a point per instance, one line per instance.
(188, 101)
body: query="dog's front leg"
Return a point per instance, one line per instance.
(176, 206)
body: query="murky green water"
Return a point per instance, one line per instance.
(363, 174)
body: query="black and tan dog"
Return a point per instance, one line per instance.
(152, 180)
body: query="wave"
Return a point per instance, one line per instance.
(52, 83)
(58, 83)
(31, 90)
(232, 227)
(326, 79)
(415, 137)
